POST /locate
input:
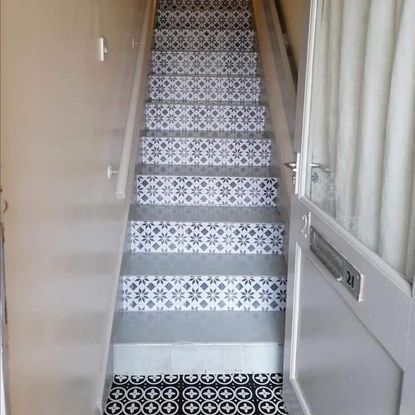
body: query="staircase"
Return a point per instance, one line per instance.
(204, 280)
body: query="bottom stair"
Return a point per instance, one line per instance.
(158, 343)
(240, 394)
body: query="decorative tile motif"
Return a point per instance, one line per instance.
(177, 117)
(205, 63)
(203, 293)
(229, 394)
(204, 19)
(207, 191)
(207, 237)
(206, 151)
(200, 40)
(186, 88)
(204, 4)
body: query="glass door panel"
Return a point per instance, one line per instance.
(362, 124)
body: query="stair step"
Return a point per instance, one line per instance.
(204, 4)
(205, 63)
(205, 19)
(207, 186)
(203, 293)
(197, 342)
(181, 229)
(197, 264)
(218, 149)
(235, 215)
(179, 116)
(203, 40)
(204, 88)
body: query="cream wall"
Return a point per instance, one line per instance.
(63, 115)
(294, 14)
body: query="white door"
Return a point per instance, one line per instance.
(350, 338)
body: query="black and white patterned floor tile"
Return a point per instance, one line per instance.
(238, 394)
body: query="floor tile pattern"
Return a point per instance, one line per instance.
(203, 293)
(198, 88)
(195, 39)
(204, 63)
(239, 394)
(207, 237)
(206, 151)
(207, 191)
(204, 19)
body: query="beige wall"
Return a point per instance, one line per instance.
(294, 15)
(63, 115)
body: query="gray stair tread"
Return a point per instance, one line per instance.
(217, 214)
(201, 327)
(202, 264)
(199, 76)
(242, 135)
(208, 104)
(205, 171)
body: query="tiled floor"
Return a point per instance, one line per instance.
(238, 394)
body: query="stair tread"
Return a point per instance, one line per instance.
(201, 76)
(208, 104)
(206, 171)
(179, 327)
(220, 135)
(205, 214)
(202, 264)
(204, 31)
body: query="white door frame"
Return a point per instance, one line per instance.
(4, 402)
(402, 352)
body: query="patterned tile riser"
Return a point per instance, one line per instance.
(207, 191)
(206, 237)
(205, 19)
(206, 152)
(203, 40)
(204, 4)
(203, 293)
(179, 88)
(205, 63)
(178, 117)
(242, 394)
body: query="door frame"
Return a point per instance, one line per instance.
(4, 384)
(406, 356)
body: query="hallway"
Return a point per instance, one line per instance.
(203, 278)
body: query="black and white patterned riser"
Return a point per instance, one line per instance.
(197, 151)
(203, 293)
(205, 63)
(205, 19)
(204, 4)
(199, 88)
(179, 116)
(206, 237)
(203, 40)
(238, 394)
(207, 191)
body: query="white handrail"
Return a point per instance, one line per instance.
(136, 93)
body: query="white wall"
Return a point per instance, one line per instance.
(63, 115)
